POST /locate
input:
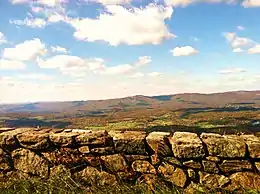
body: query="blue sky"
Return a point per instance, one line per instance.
(57, 50)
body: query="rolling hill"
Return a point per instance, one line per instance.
(237, 99)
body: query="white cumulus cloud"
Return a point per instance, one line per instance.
(28, 50)
(184, 51)
(238, 43)
(144, 25)
(30, 22)
(254, 50)
(251, 3)
(59, 49)
(48, 3)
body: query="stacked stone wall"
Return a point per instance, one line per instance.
(182, 159)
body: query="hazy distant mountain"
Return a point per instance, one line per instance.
(186, 100)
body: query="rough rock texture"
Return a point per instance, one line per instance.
(235, 165)
(92, 175)
(172, 174)
(192, 164)
(182, 159)
(131, 158)
(94, 138)
(65, 156)
(34, 140)
(143, 167)
(213, 180)
(224, 146)
(29, 162)
(63, 139)
(253, 144)
(257, 165)
(191, 174)
(5, 159)
(210, 166)
(186, 145)
(159, 143)
(129, 142)
(114, 163)
(246, 180)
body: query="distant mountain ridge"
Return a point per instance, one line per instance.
(175, 101)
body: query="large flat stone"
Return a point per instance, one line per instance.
(63, 139)
(229, 146)
(235, 165)
(8, 138)
(94, 138)
(129, 142)
(187, 145)
(159, 143)
(253, 144)
(34, 140)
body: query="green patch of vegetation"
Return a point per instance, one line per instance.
(142, 103)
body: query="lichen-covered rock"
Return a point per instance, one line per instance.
(235, 165)
(129, 142)
(172, 174)
(191, 174)
(187, 145)
(257, 165)
(8, 138)
(103, 151)
(159, 143)
(193, 164)
(131, 158)
(84, 149)
(143, 167)
(114, 163)
(63, 139)
(94, 138)
(93, 176)
(66, 156)
(155, 159)
(213, 181)
(29, 162)
(213, 159)
(173, 161)
(246, 180)
(5, 161)
(34, 140)
(253, 144)
(210, 166)
(224, 146)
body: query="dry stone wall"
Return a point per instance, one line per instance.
(182, 159)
